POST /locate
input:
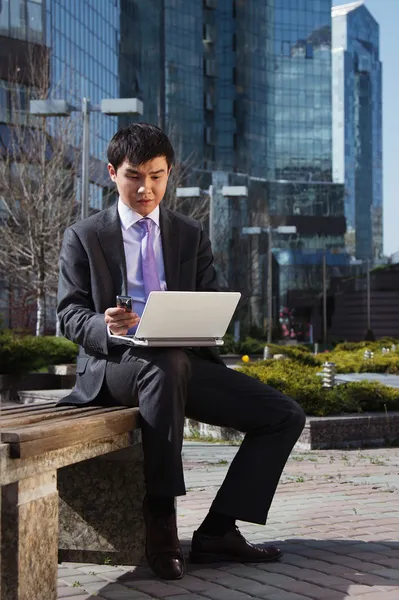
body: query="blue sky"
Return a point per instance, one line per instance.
(386, 12)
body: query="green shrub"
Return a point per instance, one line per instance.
(366, 396)
(388, 341)
(299, 354)
(354, 346)
(366, 345)
(251, 346)
(302, 383)
(19, 355)
(229, 346)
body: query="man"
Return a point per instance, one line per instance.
(133, 248)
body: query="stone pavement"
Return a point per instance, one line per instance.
(335, 515)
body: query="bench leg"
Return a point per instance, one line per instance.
(101, 509)
(29, 538)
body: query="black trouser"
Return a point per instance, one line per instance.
(173, 383)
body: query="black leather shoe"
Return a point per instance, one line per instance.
(230, 547)
(162, 547)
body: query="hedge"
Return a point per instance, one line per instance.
(348, 357)
(20, 355)
(302, 383)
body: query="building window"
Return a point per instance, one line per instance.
(208, 103)
(309, 50)
(209, 67)
(285, 48)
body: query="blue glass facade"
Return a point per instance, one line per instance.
(141, 62)
(184, 80)
(284, 129)
(254, 87)
(22, 19)
(357, 126)
(248, 91)
(84, 38)
(302, 96)
(243, 88)
(22, 26)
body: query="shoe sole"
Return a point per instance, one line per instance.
(207, 558)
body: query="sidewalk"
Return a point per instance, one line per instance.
(335, 515)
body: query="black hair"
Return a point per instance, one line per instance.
(138, 143)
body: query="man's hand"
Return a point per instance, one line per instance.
(119, 320)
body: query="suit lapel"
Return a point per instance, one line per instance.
(110, 236)
(170, 248)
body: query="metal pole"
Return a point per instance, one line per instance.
(269, 286)
(162, 85)
(324, 299)
(211, 217)
(85, 158)
(368, 297)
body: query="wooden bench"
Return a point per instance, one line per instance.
(71, 489)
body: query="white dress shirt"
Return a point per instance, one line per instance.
(132, 235)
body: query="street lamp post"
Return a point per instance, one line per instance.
(368, 297)
(282, 229)
(324, 299)
(196, 192)
(109, 106)
(269, 286)
(85, 159)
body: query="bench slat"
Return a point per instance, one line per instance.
(37, 439)
(61, 412)
(8, 410)
(25, 414)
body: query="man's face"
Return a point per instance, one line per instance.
(141, 187)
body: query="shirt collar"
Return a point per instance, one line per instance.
(129, 216)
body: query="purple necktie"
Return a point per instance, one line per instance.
(148, 262)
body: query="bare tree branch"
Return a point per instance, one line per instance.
(184, 172)
(38, 167)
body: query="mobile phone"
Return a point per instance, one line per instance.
(125, 302)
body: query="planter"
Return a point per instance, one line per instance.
(10, 385)
(63, 369)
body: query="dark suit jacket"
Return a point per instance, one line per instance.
(93, 272)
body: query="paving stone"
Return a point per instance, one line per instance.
(359, 590)
(186, 597)
(192, 584)
(222, 593)
(388, 573)
(377, 595)
(116, 575)
(154, 588)
(69, 572)
(85, 596)
(70, 592)
(337, 529)
(118, 592)
(286, 596)
(82, 578)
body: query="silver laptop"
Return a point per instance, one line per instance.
(184, 319)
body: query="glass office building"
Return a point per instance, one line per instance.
(84, 40)
(357, 125)
(243, 88)
(247, 91)
(22, 27)
(22, 20)
(284, 131)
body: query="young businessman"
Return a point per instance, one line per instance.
(133, 248)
